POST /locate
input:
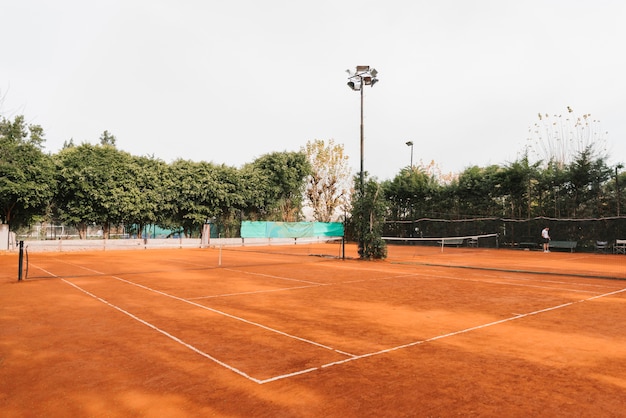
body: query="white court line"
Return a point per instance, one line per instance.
(254, 292)
(237, 318)
(451, 334)
(217, 311)
(335, 363)
(521, 285)
(273, 277)
(411, 344)
(167, 334)
(439, 337)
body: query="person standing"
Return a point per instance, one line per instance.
(545, 236)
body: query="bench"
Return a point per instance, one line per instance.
(451, 241)
(564, 245)
(620, 246)
(528, 242)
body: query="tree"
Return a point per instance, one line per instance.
(586, 174)
(478, 190)
(26, 173)
(518, 182)
(107, 139)
(368, 214)
(327, 185)
(203, 191)
(278, 180)
(561, 138)
(410, 193)
(152, 179)
(97, 183)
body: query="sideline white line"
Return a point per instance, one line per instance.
(439, 337)
(42, 269)
(273, 277)
(167, 334)
(255, 292)
(256, 324)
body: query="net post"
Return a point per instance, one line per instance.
(20, 264)
(219, 259)
(343, 247)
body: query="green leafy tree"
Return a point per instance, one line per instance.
(410, 193)
(478, 189)
(107, 139)
(368, 215)
(278, 179)
(230, 198)
(153, 181)
(97, 184)
(518, 188)
(26, 173)
(586, 175)
(201, 191)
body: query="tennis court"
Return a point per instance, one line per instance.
(279, 331)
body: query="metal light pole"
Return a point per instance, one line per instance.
(410, 144)
(619, 166)
(363, 76)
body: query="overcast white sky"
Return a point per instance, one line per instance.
(229, 81)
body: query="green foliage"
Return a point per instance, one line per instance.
(26, 173)
(410, 193)
(153, 181)
(107, 139)
(98, 184)
(201, 191)
(277, 181)
(368, 211)
(519, 190)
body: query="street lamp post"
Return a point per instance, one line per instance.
(363, 76)
(410, 144)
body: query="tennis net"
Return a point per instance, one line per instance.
(332, 247)
(482, 240)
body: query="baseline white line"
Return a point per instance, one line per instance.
(165, 333)
(439, 337)
(490, 281)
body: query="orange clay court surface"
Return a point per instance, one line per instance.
(245, 333)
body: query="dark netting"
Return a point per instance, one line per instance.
(515, 233)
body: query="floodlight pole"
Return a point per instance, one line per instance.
(617, 186)
(361, 172)
(363, 76)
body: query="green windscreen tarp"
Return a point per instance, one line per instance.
(251, 229)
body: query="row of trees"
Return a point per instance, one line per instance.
(86, 184)
(585, 188)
